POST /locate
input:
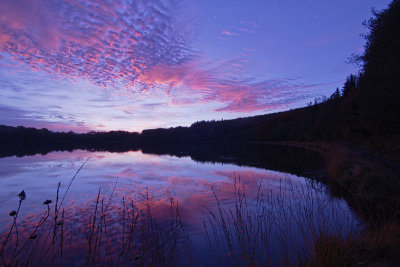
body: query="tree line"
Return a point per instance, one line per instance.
(365, 112)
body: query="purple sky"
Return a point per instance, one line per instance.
(130, 65)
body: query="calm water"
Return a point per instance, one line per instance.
(139, 177)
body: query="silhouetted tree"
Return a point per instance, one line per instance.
(349, 85)
(367, 114)
(336, 95)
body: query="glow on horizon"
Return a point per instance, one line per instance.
(132, 65)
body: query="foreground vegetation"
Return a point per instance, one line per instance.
(376, 246)
(267, 229)
(371, 185)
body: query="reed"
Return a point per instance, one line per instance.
(287, 227)
(102, 237)
(273, 228)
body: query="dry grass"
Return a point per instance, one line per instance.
(379, 246)
(372, 188)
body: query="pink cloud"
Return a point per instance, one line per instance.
(102, 42)
(133, 47)
(228, 33)
(212, 85)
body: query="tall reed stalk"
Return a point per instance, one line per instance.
(273, 228)
(270, 228)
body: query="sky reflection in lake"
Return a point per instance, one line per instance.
(135, 177)
(163, 177)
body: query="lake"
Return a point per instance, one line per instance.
(214, 199)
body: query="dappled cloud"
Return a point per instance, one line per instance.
(132, 47)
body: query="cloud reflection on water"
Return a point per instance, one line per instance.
(133, 182)
(162, 177)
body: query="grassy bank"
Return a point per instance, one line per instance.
(372, 186)
(368, 180)
(370, 183)
(377, 246)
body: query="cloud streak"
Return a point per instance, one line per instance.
(134, 47)
(236, 94)
(16, 117)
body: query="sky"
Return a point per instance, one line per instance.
(92, 65)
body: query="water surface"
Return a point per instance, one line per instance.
(198, 187)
